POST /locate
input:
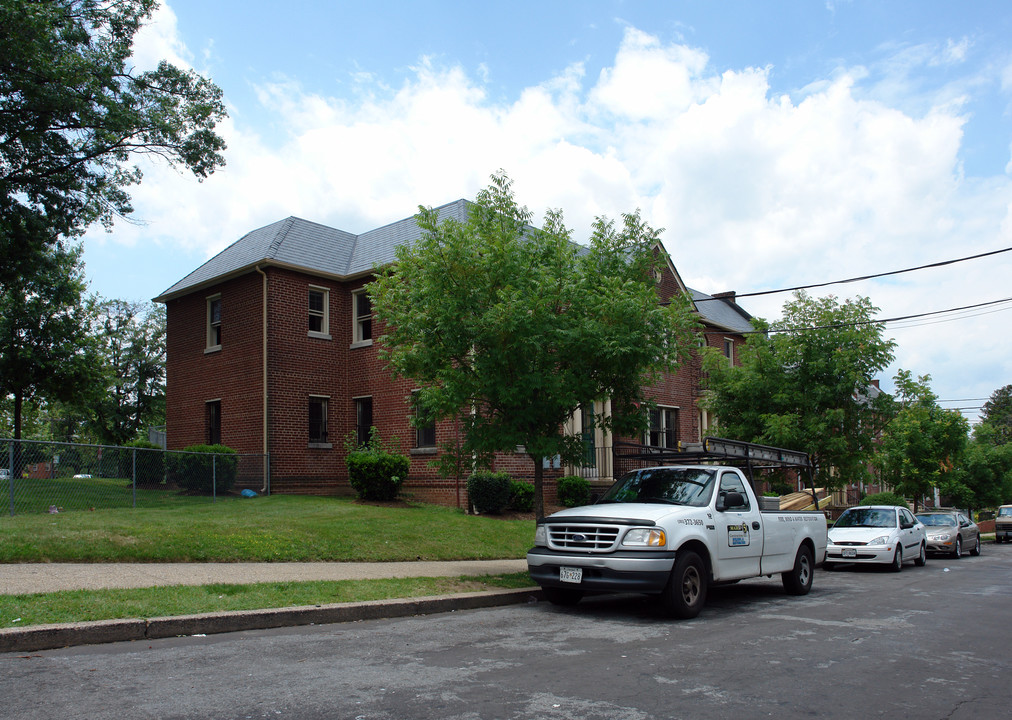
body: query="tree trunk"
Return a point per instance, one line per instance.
(539, 487)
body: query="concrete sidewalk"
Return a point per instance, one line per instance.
(22, 578)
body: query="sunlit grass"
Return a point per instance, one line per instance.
(280, 528)
(84, 605)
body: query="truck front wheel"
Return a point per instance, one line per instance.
(798, 580)
(685, 593)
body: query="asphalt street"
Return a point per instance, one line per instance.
(925, 643)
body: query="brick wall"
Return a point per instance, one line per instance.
(301, 365)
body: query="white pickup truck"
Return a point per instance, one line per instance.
(672, 531)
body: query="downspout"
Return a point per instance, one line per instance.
(266, 450)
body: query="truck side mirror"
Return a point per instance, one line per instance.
(730, 501)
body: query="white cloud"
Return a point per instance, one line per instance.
(755, 191)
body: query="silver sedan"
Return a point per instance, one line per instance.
(950, 532)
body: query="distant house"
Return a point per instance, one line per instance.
(270, 350)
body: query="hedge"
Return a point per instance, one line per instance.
(203, 468)
(489, 492)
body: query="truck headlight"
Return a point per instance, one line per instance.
(645, 537)
(541, 536)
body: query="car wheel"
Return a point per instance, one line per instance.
(563, 596)
(685, 593)
(922, 557)
(798, 580)
(957, 552)
(975, 550)
(897, 564)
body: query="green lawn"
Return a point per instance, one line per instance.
(82, 605)
(279, 528)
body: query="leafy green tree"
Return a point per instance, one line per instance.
(511, 328)
(924, 443)
(806, 383)
(984, 476)
(997, 412)
(45, 350)
(73, 112)
(130, 338)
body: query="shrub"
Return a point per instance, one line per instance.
(201, 468)
(884, 498)
(573, 490)
(377, 474)
(521, 496)
(150, 465)
(489, 492)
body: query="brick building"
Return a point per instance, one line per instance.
(270, 350)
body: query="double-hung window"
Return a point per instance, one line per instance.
(729, 350)
(318, 421)
(212, 422)
(319, 312)
(362, 318)
(663, 430)
(363, 419)
(425, 428)
(213, 323)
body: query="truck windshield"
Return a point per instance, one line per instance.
(673, 486)
(1005, 512)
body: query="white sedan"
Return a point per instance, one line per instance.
(884, 534)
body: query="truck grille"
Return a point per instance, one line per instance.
(599, 538)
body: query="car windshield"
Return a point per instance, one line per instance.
(672, 486)
(1005, 512)
(937, 520)
(867, 517)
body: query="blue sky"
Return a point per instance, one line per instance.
(778, 143)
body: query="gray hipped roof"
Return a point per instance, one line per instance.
(325, 251)
(314, 248)
(724, 313)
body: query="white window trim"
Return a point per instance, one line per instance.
(315, 444)
(729, 342)
(208, 347)
(664, 428)
(323, 334)
(356, 329)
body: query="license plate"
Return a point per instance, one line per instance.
(850, 552)
(571, 575)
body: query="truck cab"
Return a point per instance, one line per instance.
(671, 531)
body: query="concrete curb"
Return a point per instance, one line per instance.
(48, 637)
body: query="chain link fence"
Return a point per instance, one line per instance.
(51, 477)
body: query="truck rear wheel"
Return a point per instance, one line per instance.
(685, 593)
(798, 580)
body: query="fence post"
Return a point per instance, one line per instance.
(214, 478)
(134, 472)
(10, 473)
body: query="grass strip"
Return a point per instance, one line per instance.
(279, 528)
(83, 605)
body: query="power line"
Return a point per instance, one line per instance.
(864, 277)
(889, 320)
